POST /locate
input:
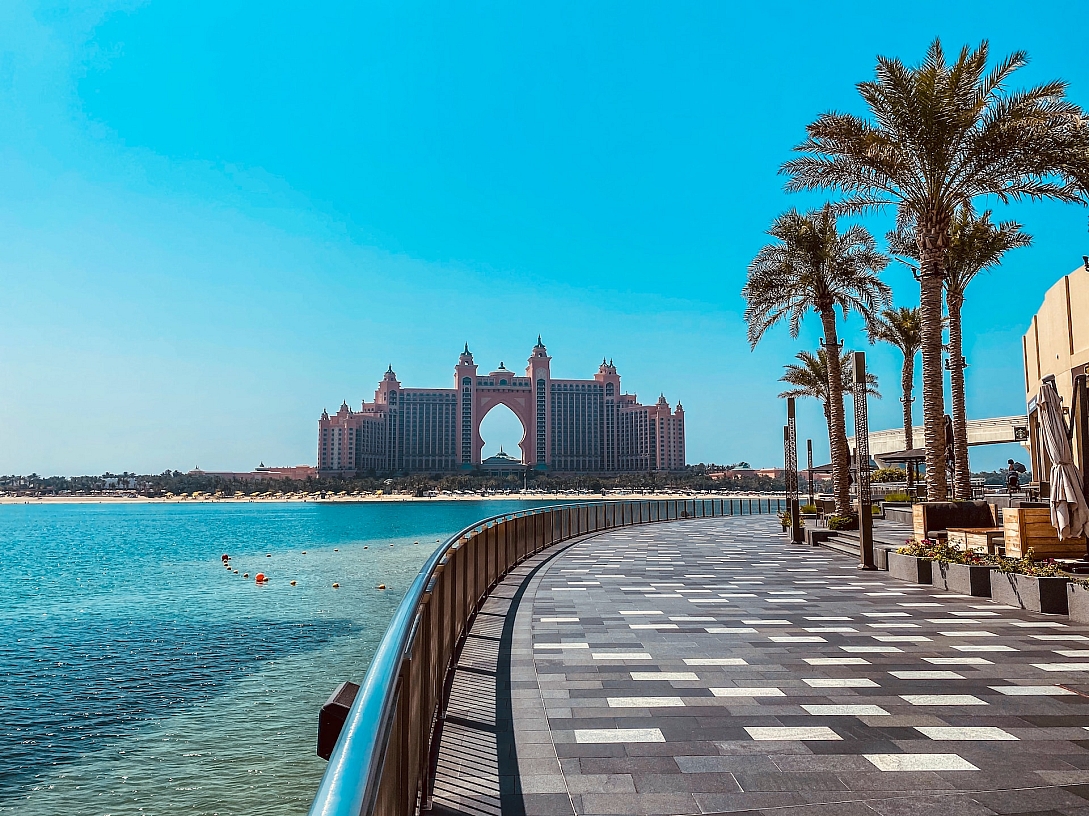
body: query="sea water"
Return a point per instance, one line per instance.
(138, 675)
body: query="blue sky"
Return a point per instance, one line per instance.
(217, 218)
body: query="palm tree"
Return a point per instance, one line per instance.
(900, 327)
(809, 378)
(815, 267)
(975, 244)
(939, 137)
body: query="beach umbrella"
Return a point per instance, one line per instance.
(1069, 512)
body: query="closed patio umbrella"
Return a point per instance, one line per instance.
(1069, 512)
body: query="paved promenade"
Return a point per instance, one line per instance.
(707, 667)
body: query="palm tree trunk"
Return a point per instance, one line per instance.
(933, 240)
(907, 383)
(837, 441)
(962, 472)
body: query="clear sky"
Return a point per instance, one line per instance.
(218, 217)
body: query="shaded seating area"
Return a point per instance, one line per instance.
(935, 520)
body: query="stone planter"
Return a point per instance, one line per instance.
(910, 568)
(964, 579)
(1029, 592)
(1077, 602)
(815, 537)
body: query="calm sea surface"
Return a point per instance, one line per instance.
(138, 676)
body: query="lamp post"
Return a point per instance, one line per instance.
(862, 457)
(809, 471)
(790, 457)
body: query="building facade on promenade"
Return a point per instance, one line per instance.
(1057, 345)
(570, 426)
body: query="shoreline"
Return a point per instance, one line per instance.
(362, 499)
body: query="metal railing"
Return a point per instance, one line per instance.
(381, 763)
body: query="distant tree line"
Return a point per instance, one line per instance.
(693, 477)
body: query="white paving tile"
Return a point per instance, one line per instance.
(1060, 667)
(621, 735)
(980, 733)
(871, 649)
(927, 675)
(839, 682)
(1031, 691)
(729, 630)
(797, 639)
(983, 647)
(762, 691)
(1059, 637)
(620, 655)
(1045, 624)
(663, 675)
(942, 699)
(834, 710)
(787, 733)
(561, 645)
(920, 762)
(901, 638)
(715, 661)
(837, 661)
(559, 620)
(959, 661)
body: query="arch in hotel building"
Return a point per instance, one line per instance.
(581, 426)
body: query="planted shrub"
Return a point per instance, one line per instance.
(848, 522)
(1044, 568)
(940, 551)
(889, 474)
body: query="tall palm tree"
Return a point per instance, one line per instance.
(938, 137)
(901, 328)
(975, 244)
(809, 378)
(815, 267)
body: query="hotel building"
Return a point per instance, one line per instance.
(570, 426)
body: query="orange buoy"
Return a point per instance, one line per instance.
(336, 586)
(261, 578)
(225, 557)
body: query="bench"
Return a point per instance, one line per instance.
(933, 520)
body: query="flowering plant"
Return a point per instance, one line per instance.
(940, 551)
(1044, 568)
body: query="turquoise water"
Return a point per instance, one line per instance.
(139, 676)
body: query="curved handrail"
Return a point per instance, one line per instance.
(356, 771)
(353, 767)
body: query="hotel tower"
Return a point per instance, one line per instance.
(570, 426)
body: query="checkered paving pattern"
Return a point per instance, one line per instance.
(707, 666)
